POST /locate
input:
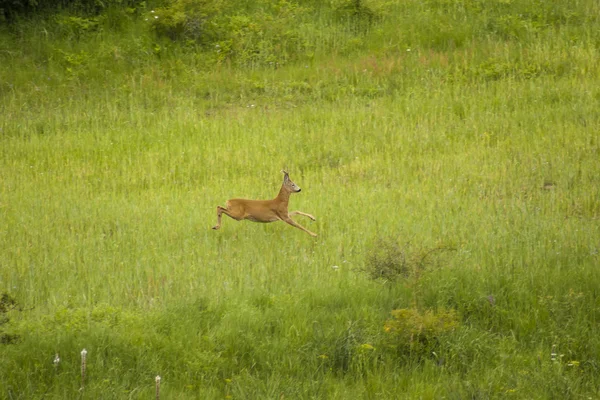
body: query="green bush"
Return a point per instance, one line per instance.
(74, 27)
(188, 19)
(414, 333)
(390, 261)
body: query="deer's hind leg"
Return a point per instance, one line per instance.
(301, 213)
(297, 225)
(223, 210)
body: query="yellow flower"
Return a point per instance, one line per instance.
(367, 346)
(323, 357)
(573, 363)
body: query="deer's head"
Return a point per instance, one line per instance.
(288, 184)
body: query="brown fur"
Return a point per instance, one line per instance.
(265, 210)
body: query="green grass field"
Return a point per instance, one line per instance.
(450, 151)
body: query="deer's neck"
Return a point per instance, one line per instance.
(283, 197)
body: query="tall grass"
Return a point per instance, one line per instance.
(481, 137)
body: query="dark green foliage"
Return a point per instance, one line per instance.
(10, 9)
(356, 13)
(7, 304)
(263, 33)
(188, 20)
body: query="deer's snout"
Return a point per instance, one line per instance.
(297, 190)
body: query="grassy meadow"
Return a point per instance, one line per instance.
(449, 150)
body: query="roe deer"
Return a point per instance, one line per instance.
(265, 210)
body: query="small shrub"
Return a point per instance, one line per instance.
(7, 303)
(387, 260)
(390, 261)
(356, 11)
(76, 27)
(188, 20)
(415, 333)
(74, 62)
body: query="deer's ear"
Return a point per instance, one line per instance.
(285, 175)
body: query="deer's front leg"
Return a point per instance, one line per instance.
(219, 211)
(301, 213)
(295, 224)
